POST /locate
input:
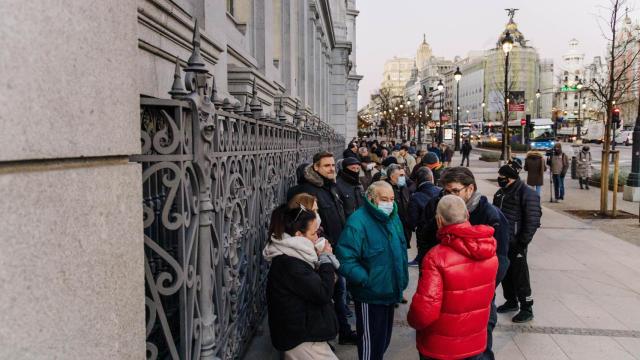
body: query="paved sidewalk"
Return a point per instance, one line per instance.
(586, 288)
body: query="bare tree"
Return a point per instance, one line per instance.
(622, 54)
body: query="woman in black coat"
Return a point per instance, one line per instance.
(300, 285)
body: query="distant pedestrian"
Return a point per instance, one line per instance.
(367, 172)
(447, 154)
(348, 182)
(521, 206)
(535, 167)
(465, 150)
(407, 158)
(435, 150)
(351, 151)
(300, 285)
(559, 163)
(373, 257)
(584, 167)
(451, 306)
(432, 162)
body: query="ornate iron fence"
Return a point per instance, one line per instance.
(212, 174)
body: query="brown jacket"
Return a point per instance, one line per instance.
(535, 167)
(559, 164)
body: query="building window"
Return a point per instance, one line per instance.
(231, 7)
(575, 104)
(575, 96)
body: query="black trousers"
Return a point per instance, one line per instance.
(516, 285)
(340, 306)
(374, 324)
(463, 158)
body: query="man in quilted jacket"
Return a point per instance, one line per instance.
(451, 307)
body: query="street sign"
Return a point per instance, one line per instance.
(523, 122)
(566, 88)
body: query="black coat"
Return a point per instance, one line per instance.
(351, 192)
(330, 206)
(521, 206)
(299, 303)
(483, 214)
(419, 200)
(466, 149)
(403, 196)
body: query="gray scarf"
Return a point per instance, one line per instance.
(473, 201)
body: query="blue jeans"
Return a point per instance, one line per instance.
(558, 186)
(538, 189)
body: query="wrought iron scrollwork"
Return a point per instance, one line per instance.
(211, 177)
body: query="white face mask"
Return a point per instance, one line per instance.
(386, 207)
(319, 245)
(318, 219)
(370, 166)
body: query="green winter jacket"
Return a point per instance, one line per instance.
(373, 255)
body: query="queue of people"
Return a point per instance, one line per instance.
(343, 236)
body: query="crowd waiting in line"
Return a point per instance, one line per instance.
(343, 234)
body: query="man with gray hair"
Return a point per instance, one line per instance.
(373, 257)
(396, 176)
(458, 281)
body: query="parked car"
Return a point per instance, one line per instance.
(624, 137)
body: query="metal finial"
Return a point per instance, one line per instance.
(196, 63)
(177, 89)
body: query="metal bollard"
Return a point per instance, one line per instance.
(574, 167)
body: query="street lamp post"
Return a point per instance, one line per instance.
(441, 89)
(507, 46)
(457, 76)
(482, 123)
(538, 104)
(579, 124)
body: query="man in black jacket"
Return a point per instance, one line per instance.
(521, 206)
(398, 180)
(320, 182)
(461, 182)
(425, 191)
(351, 190)
(465, 150)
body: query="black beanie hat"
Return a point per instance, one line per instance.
(350, 161)
(508, 171)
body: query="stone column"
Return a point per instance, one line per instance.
(72, 262)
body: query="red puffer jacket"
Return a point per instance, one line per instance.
(450, 309)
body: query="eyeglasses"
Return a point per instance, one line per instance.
(455, 191)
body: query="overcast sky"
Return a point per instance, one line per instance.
(387, 28)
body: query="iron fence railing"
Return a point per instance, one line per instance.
(212, 174)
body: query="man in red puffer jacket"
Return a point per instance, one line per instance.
(451, 307)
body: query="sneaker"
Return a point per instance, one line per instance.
(414, 263)
(508, 306)
(523, 316)
(348, 339)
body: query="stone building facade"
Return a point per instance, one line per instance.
(73, 261)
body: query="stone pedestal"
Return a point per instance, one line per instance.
(631, 193)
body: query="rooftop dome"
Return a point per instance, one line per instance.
(512, 28)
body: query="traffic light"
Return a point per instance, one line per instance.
(529, 124)
(615, 118)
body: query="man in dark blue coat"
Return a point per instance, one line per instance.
(425, 191)
(461, 182)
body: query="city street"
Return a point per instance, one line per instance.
(596, 152)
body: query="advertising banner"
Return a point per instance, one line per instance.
(516, 101)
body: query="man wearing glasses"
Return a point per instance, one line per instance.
(460, 181)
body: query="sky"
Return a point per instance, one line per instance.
(388, 28)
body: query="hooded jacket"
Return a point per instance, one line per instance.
(373, 256)
(451, 307)
(330, 206)
(299, 296)
(419, 200)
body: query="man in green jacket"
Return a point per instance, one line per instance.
(373, 258)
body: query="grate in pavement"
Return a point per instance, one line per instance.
(553, 330)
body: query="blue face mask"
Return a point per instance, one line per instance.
(402, 181)
(386, 207)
